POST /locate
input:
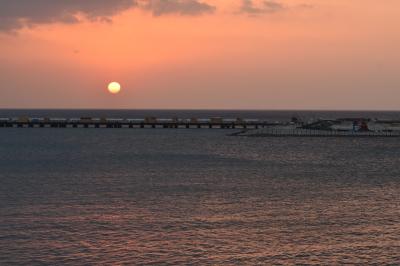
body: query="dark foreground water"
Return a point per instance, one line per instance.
(170, 197)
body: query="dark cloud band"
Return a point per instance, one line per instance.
(185, 7)
(15, 14)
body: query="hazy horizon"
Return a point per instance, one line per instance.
(207, 109)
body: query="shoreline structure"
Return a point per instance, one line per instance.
(344, 127)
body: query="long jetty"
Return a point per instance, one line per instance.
(132, 123)
(247, 127)
(299, 132)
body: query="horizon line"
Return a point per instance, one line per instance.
(206, 109)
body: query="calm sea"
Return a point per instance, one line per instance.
(266, 115)
(190, 196)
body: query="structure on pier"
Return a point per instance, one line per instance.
(250, 127)
(148, 122)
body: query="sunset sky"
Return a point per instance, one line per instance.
(194, 54)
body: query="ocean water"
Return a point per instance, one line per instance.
(189, 196)
(265, 115)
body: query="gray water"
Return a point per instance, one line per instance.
(171, 197)
(277, 115)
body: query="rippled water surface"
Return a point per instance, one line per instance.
(160, 196)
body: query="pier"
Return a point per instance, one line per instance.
(212, 123)
(299, 132)
(245, 127)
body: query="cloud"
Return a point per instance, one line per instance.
(181, 7)
(250, 8)
(16, 14)
(305, 6)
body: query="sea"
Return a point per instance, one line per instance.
(77, 196)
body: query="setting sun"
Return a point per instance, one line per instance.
(114, 87)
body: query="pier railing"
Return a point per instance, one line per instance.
(132, 123)
(299, 132)
(248, 127)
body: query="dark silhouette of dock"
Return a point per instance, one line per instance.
(300, 132)
(132, 123)
(246, 127)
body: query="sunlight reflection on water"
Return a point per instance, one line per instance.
(87, 196)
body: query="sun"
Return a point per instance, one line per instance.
(114, 87)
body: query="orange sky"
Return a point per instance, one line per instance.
(309, 54)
